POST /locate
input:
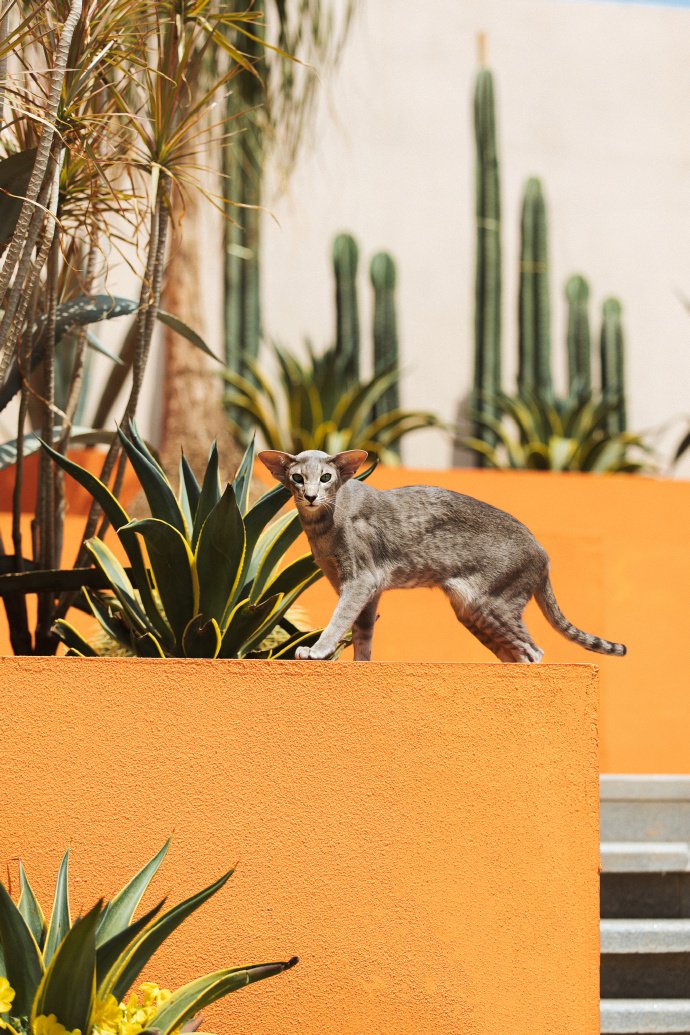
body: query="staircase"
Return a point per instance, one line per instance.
(645, 905)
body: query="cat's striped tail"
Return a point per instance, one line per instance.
(549, 606)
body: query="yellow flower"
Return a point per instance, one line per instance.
(106, 1014)
(50, 1025)
(6, 995)
(153, 995)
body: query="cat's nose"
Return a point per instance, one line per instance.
(309, 498)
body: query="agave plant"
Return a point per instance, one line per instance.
(564, 435)
(318, 407)
(206, 576)
(65, 978)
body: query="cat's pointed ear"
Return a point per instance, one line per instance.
(276, 462)
(349, 462)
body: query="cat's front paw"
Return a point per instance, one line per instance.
(314, 653)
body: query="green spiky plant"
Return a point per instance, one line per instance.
(275, 104)
(540, 418)
(578, 338)
(347, 337)
(316, 407)
(72, 976)
(383, 280)
(612, 349)
(534, 325)
(206, 576)
(487, 311)
(324, 403)
(564, 435)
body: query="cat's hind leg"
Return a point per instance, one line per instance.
(505, 636)
(363, 630)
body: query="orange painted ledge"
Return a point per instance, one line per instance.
(621, 569)
(423, 836)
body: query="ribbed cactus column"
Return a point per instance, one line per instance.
(347, 339)
(243, 162)
(613, 365)
(578, 338)
(383, 278)
(534, 334)
(487, 319)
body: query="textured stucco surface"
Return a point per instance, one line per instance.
(423, 836)
(620, 568)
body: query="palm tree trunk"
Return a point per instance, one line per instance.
(193, 414)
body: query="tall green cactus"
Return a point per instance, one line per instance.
(487, 318)
(613, 365)
(243, 162)
(347, 340)
(578, 338)
(534, 334)
(383, 278)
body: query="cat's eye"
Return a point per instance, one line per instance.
(298, 479)
(326, 477)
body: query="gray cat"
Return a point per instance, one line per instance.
(366, 540)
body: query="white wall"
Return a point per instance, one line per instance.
(593, 98)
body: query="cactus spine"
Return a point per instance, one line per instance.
(383, 278)
(613, 365)
(347, 340)
(534, 337)
(578, 338)
(487, 327)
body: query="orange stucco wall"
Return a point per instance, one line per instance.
(423, 836)
(621, 569)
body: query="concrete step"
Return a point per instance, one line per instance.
(652, 895)
(645, 808)
(648, 936)
(645, 959)
(645, 975)
(645, 1017)
(645, 857)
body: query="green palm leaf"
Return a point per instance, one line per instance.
(21, 956)
(128, 967)
(161, 499)
(30, 908)
(273, 549)
(246, 622)
(60, 919)
(187, 1001)
(243, 479)
(119, 583)
(220, 556)
(119, 911)
(68, 987)
(201, 638)
(71, 638)
(174, 571)
(209, 495)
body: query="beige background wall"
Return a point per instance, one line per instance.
(593, 97)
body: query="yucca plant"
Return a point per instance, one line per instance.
(206, 576)
(563, 435)
(316, 406)
(70, 978)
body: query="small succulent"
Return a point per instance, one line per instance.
(318, 405)
(70, 978)
(207, 577)
(563, 435)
